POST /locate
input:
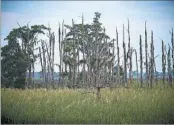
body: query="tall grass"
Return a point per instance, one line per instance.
(123, 105)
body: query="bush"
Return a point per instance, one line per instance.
(20, 83)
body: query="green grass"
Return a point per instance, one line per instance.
(121, 105)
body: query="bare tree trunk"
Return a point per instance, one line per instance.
(109, 68)
(156, 75)
(40, 55)
(33, 75)
(118, 57)
(83, 50)
(163, 62)
(30, 76)
(84, 66)
(49, 53)
(78, 73)
(49, 65)
(48, 74)
(105, 66)
(62, 51)
(129, 55)
(141, 63)
(44, 63)
(98, 94)
(169, 68)
(33, 67)
(60, 55)
(65, 55)
(53, 60)
(113, 51)
(73, 75)
(146, 52)
(125, 60)
(172, 41)
(136, 65)
(151, 61)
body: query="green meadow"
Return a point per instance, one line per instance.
(116, 106)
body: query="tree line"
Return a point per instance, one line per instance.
(88, 57)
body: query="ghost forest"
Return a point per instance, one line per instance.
(90, 63)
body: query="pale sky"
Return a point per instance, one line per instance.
(158, 14)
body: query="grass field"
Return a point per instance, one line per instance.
(121, 105)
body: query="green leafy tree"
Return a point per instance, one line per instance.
(21, 46)
(14, 66)
(29, 38)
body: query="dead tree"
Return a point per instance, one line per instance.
(172, 42)
(33, 75)
(78, 59)
(65, 55)
(146, 56)
(118, 57)
(74, 62)
(98, 74)
(48, 64)
(151, 61)
(163, 61)
(53, 46)
(136, 59)
(169, 68)
(113, 52)
(60, 54)
(141, 63)
(129, 55)
(125, 60)
(50, 58)
(44, 63)
(156, 75)
(83, 43)
(41, 62)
